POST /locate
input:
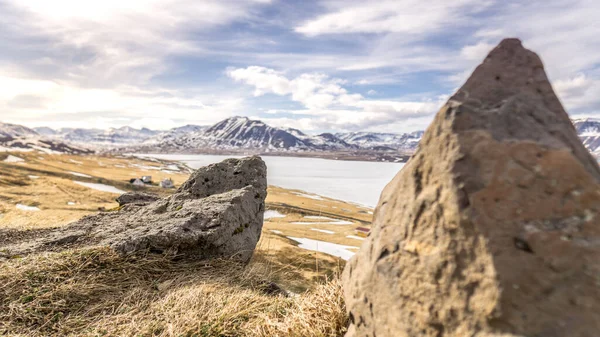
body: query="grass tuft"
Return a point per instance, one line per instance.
(96, 292)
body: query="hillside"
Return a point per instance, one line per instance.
(303, 238)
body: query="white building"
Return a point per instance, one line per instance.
(138, 182)
(167, 183)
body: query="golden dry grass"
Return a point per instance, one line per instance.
(98, 293)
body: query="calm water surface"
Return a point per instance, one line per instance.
(355, 181)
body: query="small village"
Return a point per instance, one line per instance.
(147, 180)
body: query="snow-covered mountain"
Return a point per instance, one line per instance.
(375, 140)
(20, 138)
(14, 130)
(113, 136)
(236, 134)
(588, 130)
(243, 133)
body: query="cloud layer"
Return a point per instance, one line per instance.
(328, 66)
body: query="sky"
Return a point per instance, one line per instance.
(319, 66)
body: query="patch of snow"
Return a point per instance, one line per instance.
(270, 214)
(44, 150)
(75, 161)
(309, 196)
(276, 231)
(120, 166)
(318, 217)
(27, 208)
(100, 187)
(172, 167)
(14, 149)
(34, 177)
(325, 247)
(13, 159)
(322, 231)
(70, 203)
(355, 237)
(79, 174)
(338, 222)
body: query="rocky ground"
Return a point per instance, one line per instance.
(54, 293)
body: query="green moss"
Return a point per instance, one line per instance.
(240, 229)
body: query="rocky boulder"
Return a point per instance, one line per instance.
(136, 198)
(492, 228)
(218, 212)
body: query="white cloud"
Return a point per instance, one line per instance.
(476, 52)
(560, 31)
(404, 16)
(579, 92)
(331, 105)
(100, 58)
(315, 91)
(40, 102)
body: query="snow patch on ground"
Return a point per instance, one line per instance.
(70, 203)
(100, 187)
(322, 231)
(13, 159)
(33, 177)
(27, 208)
(355, 237)
(337, 222)
(334, 249)
(318, 217)
(270, 214)
(309, 196)
(276, 231)
(79, 174)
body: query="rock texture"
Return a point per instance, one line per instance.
(492, 228)
(218, 212)
(136, 198)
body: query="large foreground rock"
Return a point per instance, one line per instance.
(218, 212)
(492, 228)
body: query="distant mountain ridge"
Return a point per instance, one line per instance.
(236, 134)
(112, 136)
(15, 137)
(588, 130)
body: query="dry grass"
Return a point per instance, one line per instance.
(97, 293)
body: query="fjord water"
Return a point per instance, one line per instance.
(355, 181)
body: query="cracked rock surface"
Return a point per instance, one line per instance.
(492, 228)
(217, 212)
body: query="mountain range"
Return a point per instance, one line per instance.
(236, 135)
(15, 137)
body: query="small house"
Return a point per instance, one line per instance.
(147, 179)
(138, 182)
(362, 231)
(167, 183)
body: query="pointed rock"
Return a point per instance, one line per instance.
(492, 228)
(218, 212)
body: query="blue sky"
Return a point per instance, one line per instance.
(340, 65)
